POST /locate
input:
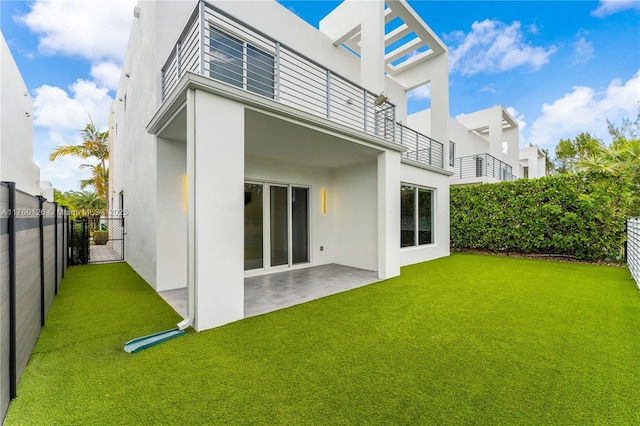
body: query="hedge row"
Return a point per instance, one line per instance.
(576, 215)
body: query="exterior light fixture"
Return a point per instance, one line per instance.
(324, 200)
(136, 12)
(380, 99)
(349, 101)
(127, 75)
(185, 193)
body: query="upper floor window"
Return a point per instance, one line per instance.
(452, 154)
(241, 64)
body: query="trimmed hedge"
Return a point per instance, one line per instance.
(577, 215)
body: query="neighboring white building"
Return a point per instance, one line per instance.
(533, 162)
(245, 142)
(16, 127)
(484, 147)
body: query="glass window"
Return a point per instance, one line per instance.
(253, 227)
(452, 154)
(253, 72)
(407, 216)
(425, 235)
(416, 216)
(259, 72)
(226, 58)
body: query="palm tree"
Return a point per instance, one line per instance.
(95, 145)
(87, 203)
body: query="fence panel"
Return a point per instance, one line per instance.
(633, 248)
(49, 255)
(28, 299)
(4, 300)
(32, 261)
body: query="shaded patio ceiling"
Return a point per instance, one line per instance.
(270, 137)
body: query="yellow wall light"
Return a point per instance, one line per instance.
(185, 193)
(323, 203)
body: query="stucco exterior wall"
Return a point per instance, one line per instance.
(16, 127)
(440, 185)
(134, 156)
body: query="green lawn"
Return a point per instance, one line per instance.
(467, 339)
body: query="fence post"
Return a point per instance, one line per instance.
(55, 242)
(41, 225)
(626, 241)
(12, 289)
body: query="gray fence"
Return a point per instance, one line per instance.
(33, 260)
(633, 248)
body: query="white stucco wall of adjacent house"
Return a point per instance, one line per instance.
(16, 127)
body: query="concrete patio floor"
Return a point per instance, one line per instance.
(268, 293)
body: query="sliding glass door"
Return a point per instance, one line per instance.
(279, 209)
(253, 226)
(300, 225)
(276, 226)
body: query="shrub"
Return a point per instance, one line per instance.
(100, 237)
(578, 215)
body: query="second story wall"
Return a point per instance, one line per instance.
(16, 127)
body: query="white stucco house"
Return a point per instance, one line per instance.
(533, 162)
(246, 142)
(16, 129)
(484, 147)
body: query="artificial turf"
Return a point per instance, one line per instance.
(467, 339)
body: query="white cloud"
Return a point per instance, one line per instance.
(586, 110)
(106, 74)
(56, 110)
(491, 88)
(582, 51)
(493, 46)
(420, 92)
(90, 29)
(609, 7)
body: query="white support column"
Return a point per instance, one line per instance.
(191, 205)
(439, 72)
(372, 64)
(388, 215)
(495, 133)
(218, 194)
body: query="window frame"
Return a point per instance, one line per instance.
(416, 215)
(452, 154)
(249, 79)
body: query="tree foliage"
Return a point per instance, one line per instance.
(81, 203)
(581, 215)
(95, 145)
(569, 152)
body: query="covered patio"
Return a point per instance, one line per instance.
(271, 292)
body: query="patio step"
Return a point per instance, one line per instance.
(136, 345)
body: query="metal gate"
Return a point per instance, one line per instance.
(96, 240)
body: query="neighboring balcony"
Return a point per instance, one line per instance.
(480, 168)
(218, 46)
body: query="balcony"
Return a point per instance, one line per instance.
(481, 168)
(218, 46)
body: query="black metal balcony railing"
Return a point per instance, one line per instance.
(218, 46)
(480, 166)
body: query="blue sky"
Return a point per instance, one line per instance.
(560, 67)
